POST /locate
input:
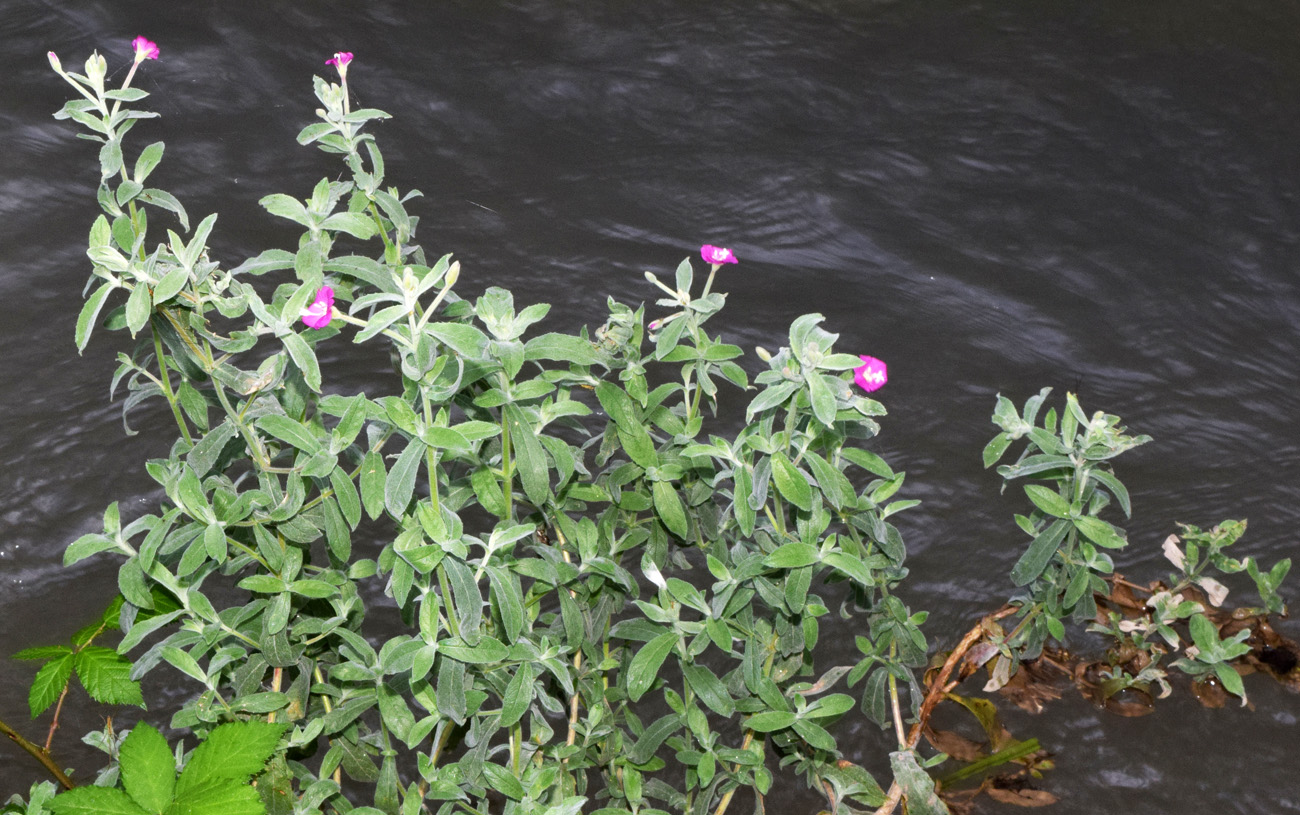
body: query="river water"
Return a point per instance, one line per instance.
(992, 197)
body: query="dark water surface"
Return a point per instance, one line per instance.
(1099, 197)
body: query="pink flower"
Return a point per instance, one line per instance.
(340, 60)
(144, 49)
(716, 255)
(319, 313)
(871, 376)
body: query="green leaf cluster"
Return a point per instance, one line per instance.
(214, 781)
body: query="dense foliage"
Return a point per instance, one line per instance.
(538, 574)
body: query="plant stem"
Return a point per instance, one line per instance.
(165, 380)
(58, 708)
(40, 755)
(938, 688)
(507, 470)
(893, 700)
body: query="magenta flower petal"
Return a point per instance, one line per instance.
(340, 60)
(716, 254)
(144, 49)
(321, 311)
(871, 376)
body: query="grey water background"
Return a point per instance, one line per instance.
(992, 197)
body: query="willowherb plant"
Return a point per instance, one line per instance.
(598, 601)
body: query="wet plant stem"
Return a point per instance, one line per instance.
(938, 688)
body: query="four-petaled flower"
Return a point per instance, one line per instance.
(340, 60)
(144, 49)
(319, 313)
(716, 255)
(871, 375)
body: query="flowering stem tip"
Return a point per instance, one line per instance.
(340, 60)
(716, 255)
(144, 49)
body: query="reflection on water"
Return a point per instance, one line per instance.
(992, 200)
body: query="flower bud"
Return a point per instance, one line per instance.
(54, 62)
(453, 274)
(762, 353)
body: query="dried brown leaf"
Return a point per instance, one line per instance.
(1032, 686)
(955, 745)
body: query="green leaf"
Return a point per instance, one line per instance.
(530, 457)
(770, 720)
(995, 448)
(50, 681)
(833, 705)
(500, 779)
(43, 652)
(286, 207)
(632, 434)
(204, 455)
(1231, 680)
(653, 737)
(710, 689)
(232, 752)
(834, 485)
(488, 650)
(138, 308)
(288, 430)
(317, 589)
(465, 340)
(518, 696)
(171, 283)
(106, 676)
(822, 398)
(1204, 634)
(148, 768)
(1048, 500)
(130, 581)
(167, 201)
(791, 482)
(1116, 488)
(400, 484)
(1100, 532)
(263, 702)
(1035, 559)
(509, 601)
(815, 735)
(644, 668)
(668, 506)
(849, 565)
(148, 160)
(561, 348)
(345, 493)
(183, 662)
(303, 357)
(218, 798)
(917, 785)
(792, 556)
(87, 545)
(95, 801)
(374, 478)
(90, 313)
